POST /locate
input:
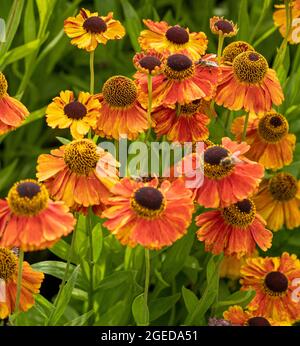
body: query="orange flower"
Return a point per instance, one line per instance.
(175, 39)
(231, 265)
(79, 173)
(183, 81)
(145, 214)
(239, 317)
(121, 113)
(30, 220)
(249, 84)
(30, 284)
(12, 111)
(187, 125)
(79, 115)
(88, 29)
(271, 144)
(235, 230)
(224, 27)
(149, 62)
(228, 176)
(279, 18)
(278, 201)
(275, 281)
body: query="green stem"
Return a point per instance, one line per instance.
(220, 47)
(92, 73)
(19, 280)
(91, 260)
(149, 78)
(260, 20)
(245, 127)
(66, 274)
(147, 276)
(178, 109)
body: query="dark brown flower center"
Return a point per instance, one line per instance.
(276, 282)
(276, 121)
(28, 189)
(272, 127)
(258, 322)
(225, 26)
(149, 197)
(150, 62)
(253, 57)
(96, 25)
(179, 62)
(214, 155)
(283, 187)
(177, 34)
(75, 110)
(245, 206)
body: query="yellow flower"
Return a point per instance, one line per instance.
(88, 29)
(221, 26)
(79, 115)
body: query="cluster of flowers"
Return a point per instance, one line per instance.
(173, 92)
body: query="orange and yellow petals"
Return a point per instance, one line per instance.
(277, 213)
(181, 128)
(89, 40)
(279, 18)
(230, 267)
(254, 98)
(271, 155)
(12, 113)
(30, 285)
(116, 122)
(152, 232)
(57, 116)
(37, 232)
(282, 308)
(220, 236)
(155, 38)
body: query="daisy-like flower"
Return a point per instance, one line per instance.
(224, 27)
(228, 175)
(182, 81)
(271, 144)
(237, 316)
(234, 49)
(161, 36)
(187, 125)
(30, 284)
(79, 173)
(149, 62)
(278, 201)
(12, 111)
(87, 29)
(121, 113)
(30, 220)
(79, 115)
(147, 214)
(279, 18)
(235, 230)
(249, 84)
(273, 279)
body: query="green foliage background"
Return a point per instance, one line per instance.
(39, 61)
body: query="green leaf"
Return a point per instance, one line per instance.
(190, 299)
(140, 311)
(97, 241)
(244, 21)
(63, 140)
(132, 23)
(18, 53)
(160, 306)
(29, 22)
(237, 298)
(5, 174)
(113, 280)
(12, 24)
(64, 298)
(61, 249)
(81, 320)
